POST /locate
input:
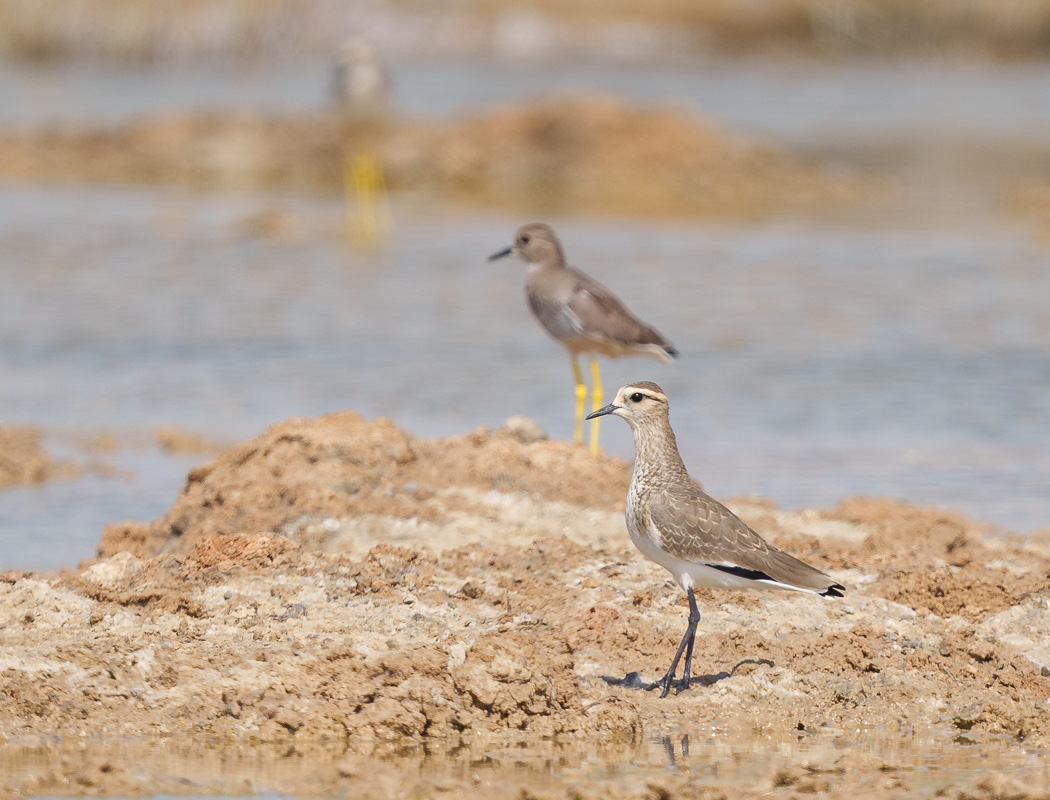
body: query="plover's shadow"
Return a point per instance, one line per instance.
(633, 680)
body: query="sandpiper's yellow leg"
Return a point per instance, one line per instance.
(597, 395)
(581, 400)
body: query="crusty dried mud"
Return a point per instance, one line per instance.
(336, 586)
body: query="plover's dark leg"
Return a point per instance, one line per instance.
(664, 684)
(694, 618)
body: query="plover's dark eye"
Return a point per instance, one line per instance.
(637, 397)
(524, 238)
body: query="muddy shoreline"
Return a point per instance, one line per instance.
(338, 586)
(594, 155)
(120, 31)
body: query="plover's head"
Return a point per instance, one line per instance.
(535, 243)
(638, 403)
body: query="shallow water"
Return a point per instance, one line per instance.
(785, 99)
(700, 757)
(907, 355)
(817, 361)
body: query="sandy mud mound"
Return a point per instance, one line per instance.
(338, 583)
(603, 156)
(341, 483)
(590, 155)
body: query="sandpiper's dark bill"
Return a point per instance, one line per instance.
(582, 314)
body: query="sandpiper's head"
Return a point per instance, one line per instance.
(535, 243)
(638, 403)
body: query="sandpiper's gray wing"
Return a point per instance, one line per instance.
(599, 314)
(695, 527)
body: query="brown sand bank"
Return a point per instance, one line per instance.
(588, 155)
(170, 31)
(1031, 199)
(23, 458)
(336, 584)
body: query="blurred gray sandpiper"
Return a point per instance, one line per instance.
(580, 313)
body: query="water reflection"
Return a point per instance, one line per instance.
(654, 762)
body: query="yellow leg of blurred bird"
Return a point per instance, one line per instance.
(597, 395)
(367, 212)
(581, 400)
(364, 171)
(384, 222)
(364, 183)
(349, 198)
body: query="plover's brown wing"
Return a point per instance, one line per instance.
(694, 527)
(602, 316)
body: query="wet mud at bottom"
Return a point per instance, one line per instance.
(703, 764)
(337, 607)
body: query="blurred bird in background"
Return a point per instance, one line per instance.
(361, 94)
